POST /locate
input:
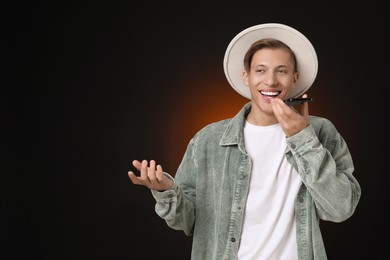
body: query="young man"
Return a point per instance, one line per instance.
(257, 185)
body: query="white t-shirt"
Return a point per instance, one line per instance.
(269, 230)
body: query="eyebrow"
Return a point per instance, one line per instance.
(278, 67)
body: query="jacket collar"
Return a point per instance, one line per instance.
(233, 134)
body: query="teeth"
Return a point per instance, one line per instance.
(269, 93)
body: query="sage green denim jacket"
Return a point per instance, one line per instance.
(207, 200)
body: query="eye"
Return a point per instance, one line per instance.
(282, 71)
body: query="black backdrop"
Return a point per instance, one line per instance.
(92, 86)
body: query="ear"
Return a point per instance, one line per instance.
(245, 78)
(296, 77)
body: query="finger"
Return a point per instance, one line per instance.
(152, 171)
(137, 164)
(280, 109)
(275, 106)
(275, 109)
(305, 108)
(160, 173)
(144, 171)
(134, 179)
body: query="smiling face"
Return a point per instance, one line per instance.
(271, 74)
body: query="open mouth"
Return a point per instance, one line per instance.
(270, 93)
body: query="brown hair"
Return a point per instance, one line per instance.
(263, 44)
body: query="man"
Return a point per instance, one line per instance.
(257, 185)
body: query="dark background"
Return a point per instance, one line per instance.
(91, 86)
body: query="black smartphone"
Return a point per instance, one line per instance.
(294, 101)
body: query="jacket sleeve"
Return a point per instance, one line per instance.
(177, 205)
(322, 159)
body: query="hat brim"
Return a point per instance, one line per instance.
(304, 51)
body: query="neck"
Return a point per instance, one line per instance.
(261, 119)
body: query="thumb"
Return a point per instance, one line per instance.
(305, 108)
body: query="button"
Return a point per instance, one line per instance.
(233, 239)
(293, 146)
(239, 208)
(300, 199)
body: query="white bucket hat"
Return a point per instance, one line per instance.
(304, 51)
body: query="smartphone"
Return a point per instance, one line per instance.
(294, 101)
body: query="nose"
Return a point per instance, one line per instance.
(270, 79)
